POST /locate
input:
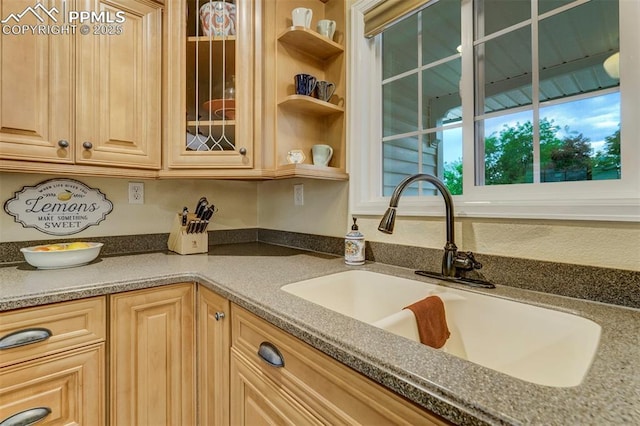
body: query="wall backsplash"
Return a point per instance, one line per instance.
(522, 251)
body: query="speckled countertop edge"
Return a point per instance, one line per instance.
(251, 275)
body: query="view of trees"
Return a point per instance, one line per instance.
(509, 157)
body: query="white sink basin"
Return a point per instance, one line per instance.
(539, 345)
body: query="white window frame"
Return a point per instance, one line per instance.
(605, 200)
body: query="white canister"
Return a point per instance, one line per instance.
(218, 18)
(354, 246)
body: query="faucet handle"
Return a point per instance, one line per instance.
(467, 261)
(474, 263)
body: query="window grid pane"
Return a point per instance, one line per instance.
(576, 131)
(421, 105)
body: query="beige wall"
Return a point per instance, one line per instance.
(270, 205)
(604, 244)
(324, 211)
(237, 202)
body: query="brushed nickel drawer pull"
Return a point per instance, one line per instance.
(219, 316)
(24, 337)
(270, 354)
(27, 417)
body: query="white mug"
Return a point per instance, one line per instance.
(321, 154)
(327, 28)
(301, 17)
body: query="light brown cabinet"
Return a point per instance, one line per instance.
(214, 334)
(152, 356)
(308, 388)
(52, 363)
(212, 86)
(180, 354)
(83, 100)
(297, 122)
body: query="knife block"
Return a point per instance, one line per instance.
(182, 243)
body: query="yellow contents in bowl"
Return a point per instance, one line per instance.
(78, 245)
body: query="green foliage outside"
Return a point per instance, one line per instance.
(509, 157)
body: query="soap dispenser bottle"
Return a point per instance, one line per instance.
(354, 246)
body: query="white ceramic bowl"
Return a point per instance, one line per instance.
(56, 259)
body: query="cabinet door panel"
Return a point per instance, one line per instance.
(195, 74)
(119, 87)
(70, 384)
(35, 89)
(152, 356)
(213, 347)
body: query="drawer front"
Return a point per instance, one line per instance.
(68, 325)
(326, 388)
(256, 400)
(63, 389)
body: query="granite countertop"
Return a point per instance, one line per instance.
(251, 275)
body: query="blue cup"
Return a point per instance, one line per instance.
(305, 84)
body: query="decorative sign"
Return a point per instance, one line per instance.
(58, 206)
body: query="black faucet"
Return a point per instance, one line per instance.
(455, 265)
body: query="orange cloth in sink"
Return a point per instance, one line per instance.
(432, 322)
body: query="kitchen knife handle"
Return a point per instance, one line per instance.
(185, 212)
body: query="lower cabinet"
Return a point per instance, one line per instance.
(52, 364)
(152, 356)
(213, 358)
(293, 383)
(177, 355)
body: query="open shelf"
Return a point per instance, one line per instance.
(310, 171)
(307, 104)
(310, 42)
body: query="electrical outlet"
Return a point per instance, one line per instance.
(136, 193)
(298, 194)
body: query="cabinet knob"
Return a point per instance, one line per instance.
(270, 354)
(24, 337)
(27, 417)
(87, 145)
(243, 151)
(219, 316)
(63, 143)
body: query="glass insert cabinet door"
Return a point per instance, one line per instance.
(215, 48)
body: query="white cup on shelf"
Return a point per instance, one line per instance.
(321, 154)
(327, 28)
(301, 17)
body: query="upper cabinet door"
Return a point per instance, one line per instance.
(36, 118)
(119, 72)
(209, 83)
